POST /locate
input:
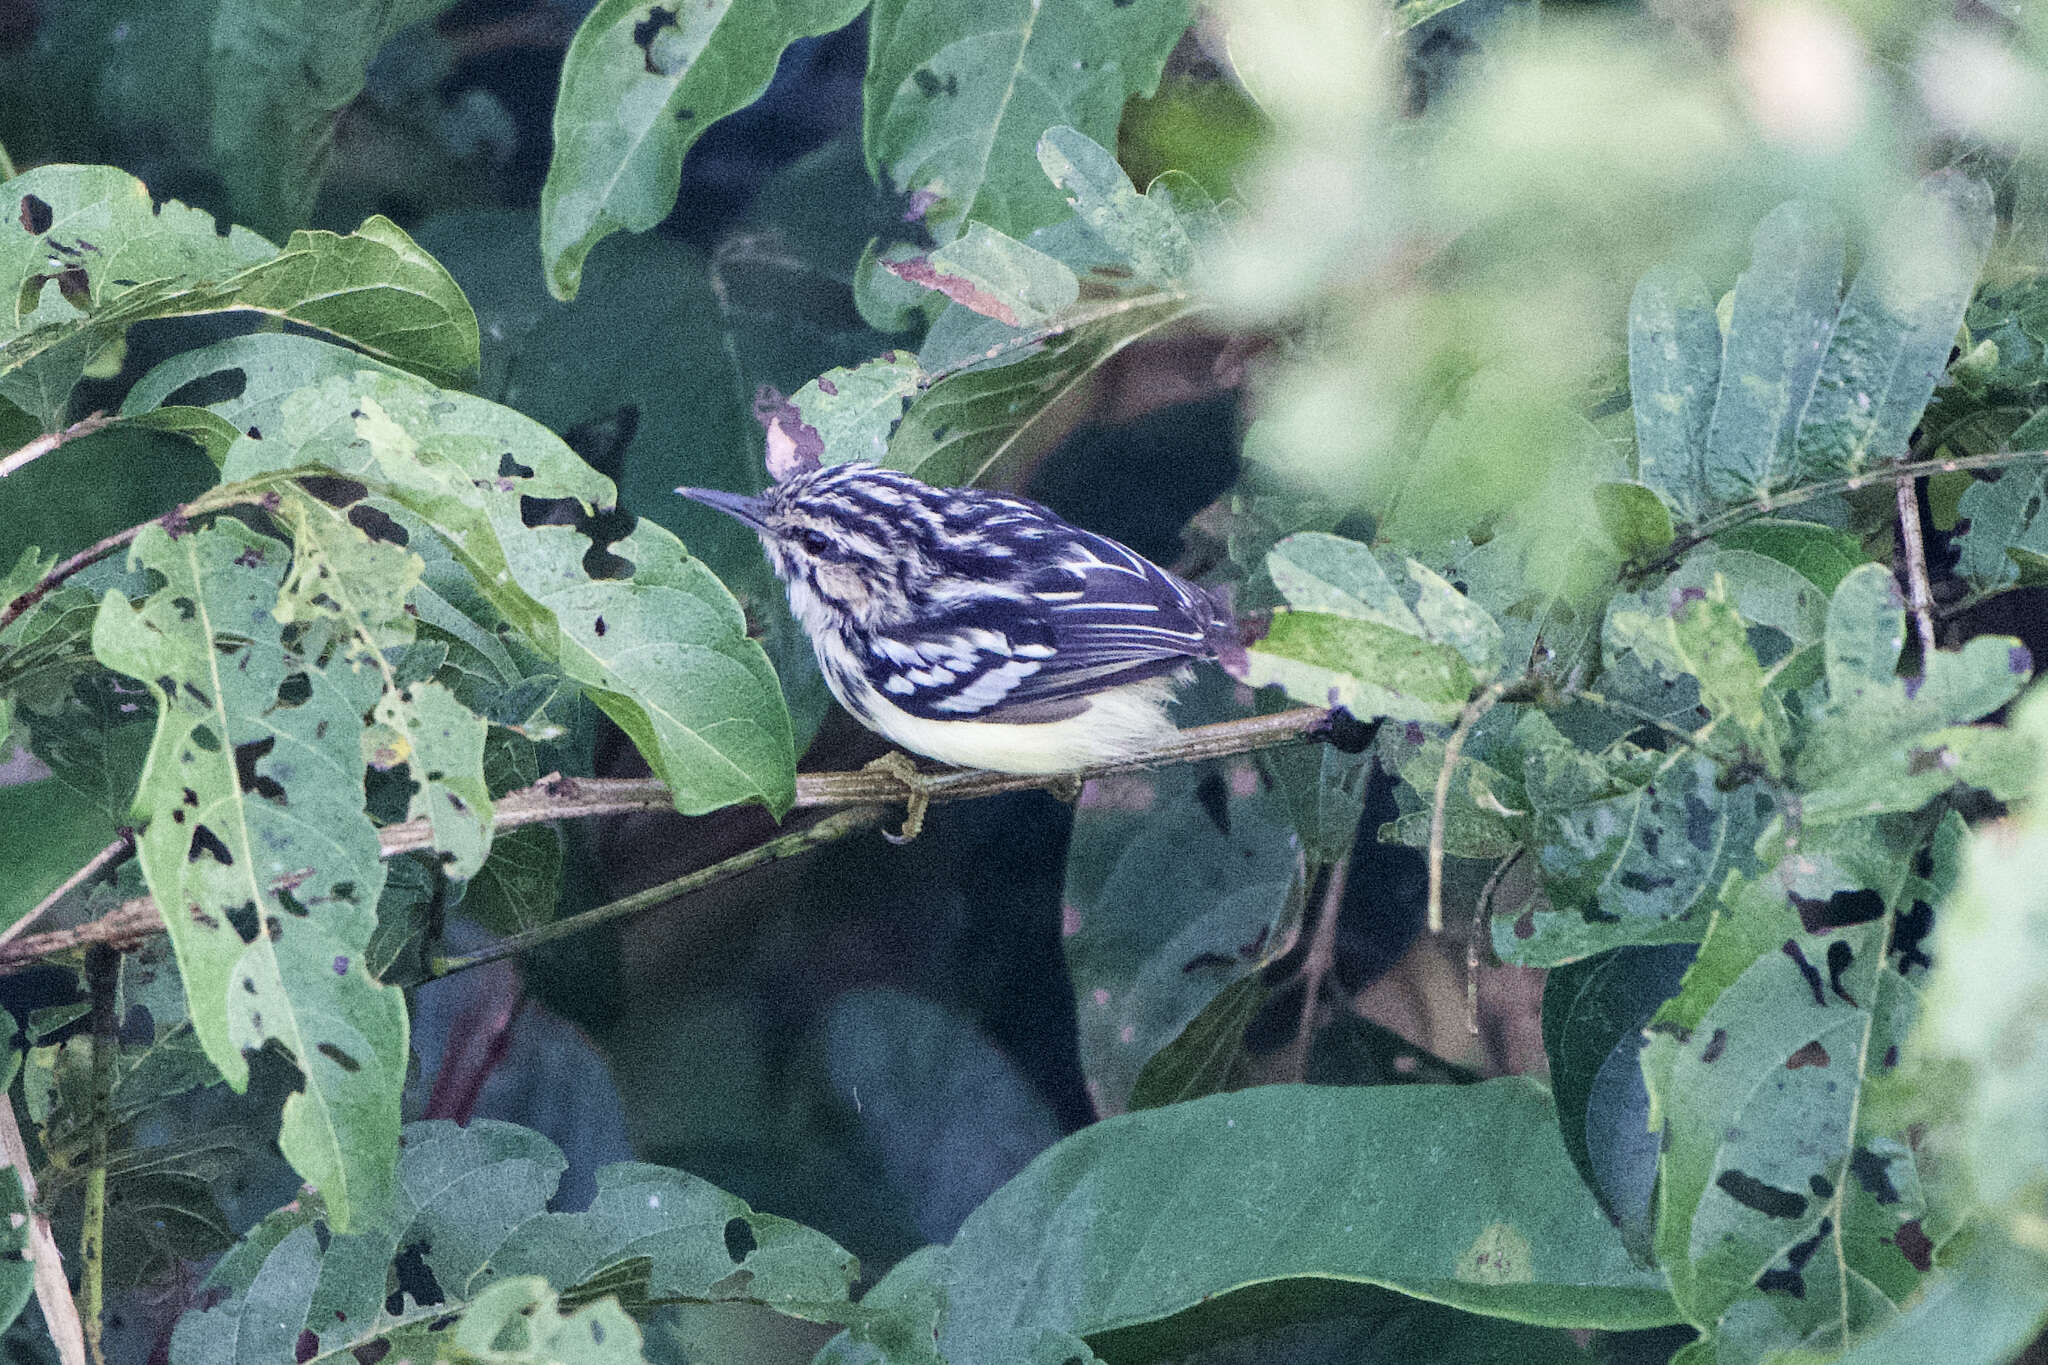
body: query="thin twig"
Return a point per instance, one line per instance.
(249, 494)
(1467, 718)
(103, 978)
(828, 830)
(1847, 483)
(50, 440)
(1315, 969)
(113, 855)
(1482, 933)
(53, 1293)
(1919, 595)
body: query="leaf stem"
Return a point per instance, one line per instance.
(1316, 967)
(53, 1292)
(1469, 717)
(1919, 595)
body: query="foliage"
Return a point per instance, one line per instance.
(1593, 382)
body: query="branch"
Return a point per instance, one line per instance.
(1847, 483)
(103, 977)
(566, 798)
(50, 440)
(53, 1293)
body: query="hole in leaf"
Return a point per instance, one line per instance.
(205, 841)
(138, 1027)
(602, 441)
(335, 492)
(739, 1239)
(208, 389)
(36, 216)
(306, 1347)
(1214, 799)
(509, 468)
(415, 1277)
(377, 525)
(203, 737)
(295, 690)
(246, 757)
(340, 1058)
(243, 918)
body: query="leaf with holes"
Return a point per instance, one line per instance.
(1633, 845)
(641, 83)
(664, 652)
(1784, 1219)
(258, 849)
(1674, 363)
(472, 1213)
(103, 257)
(521, 1322)
(1697, 632)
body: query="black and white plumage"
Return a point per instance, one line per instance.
(978, 628)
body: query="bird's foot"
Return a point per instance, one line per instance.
(917, 792)
(1066, 787)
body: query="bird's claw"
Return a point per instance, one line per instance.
(917, 792)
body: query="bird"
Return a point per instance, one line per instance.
(979, 628)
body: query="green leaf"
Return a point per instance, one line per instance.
(846, 414)
(957, 97)
(1988, 1303)
(259, 851)
(1633, 845)
(70, 828)
(640, 84)
(2005, 523)
(1785, 306)
(1702, 636)
(1208, 1057)
(996, 276)
(1593, 1016)
(1179, 884)
(1177, 1218)
(128, 261)
(281, 73)
(1674, 365)
(519, 1322)
(473, 1206)
(1143, 230)
(1821, 554)
(1782, 1217)
(1891, 342)
(1636, 521)
(1886, 743)
(664, 653)
(1350, 638)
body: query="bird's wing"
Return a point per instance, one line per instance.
(1099, 616)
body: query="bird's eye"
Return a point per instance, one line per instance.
(817, 542)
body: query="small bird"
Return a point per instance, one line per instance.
(978, 628)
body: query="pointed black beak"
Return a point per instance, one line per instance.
(739, 505)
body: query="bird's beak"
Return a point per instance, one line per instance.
(752, 511)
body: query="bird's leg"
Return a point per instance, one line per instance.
(917, 792)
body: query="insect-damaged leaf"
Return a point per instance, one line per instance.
(1176, 1217)
(473, 1210)
(1674, 364)
(258, 850)
(1785, 1218)
(125, 260)
(1633, 845)
(664, 652)
(641, 83)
